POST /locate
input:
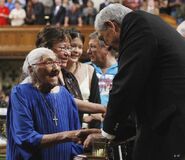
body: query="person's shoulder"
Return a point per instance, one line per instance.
(89, 67)
(65, 92)
(67, 74)
(21, 88)
(138, 20)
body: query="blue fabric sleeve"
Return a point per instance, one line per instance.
(22, 123)
(76, 149)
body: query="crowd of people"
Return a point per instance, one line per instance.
(54, 65)
(77, 12)
(134, 85)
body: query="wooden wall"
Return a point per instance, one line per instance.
(16, 42)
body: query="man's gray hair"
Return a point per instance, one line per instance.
(34, 57)
(113, 12)
(181, 28)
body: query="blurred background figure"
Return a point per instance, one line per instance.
(103, 4)
(181, 29)
(89, 13)
(17, 15)
(58, 13)
(30, 18)
(48, 4)
(38, 12)
(176, 9)
(153, 7)
(4, 13)
(73, 15)
(10, 4)
(132, 4)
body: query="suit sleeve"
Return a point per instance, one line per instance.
(136, 57)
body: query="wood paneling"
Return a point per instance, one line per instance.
(16, 42)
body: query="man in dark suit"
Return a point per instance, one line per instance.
(150, 81)
(58, 13)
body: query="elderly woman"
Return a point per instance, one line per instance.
(42, 115)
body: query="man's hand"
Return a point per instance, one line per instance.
(89, 135)
(91, 138)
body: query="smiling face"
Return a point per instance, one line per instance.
(77, 49)
(63, 52)
(97, 53)
(45, 73)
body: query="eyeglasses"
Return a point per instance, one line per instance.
(48, 63)
(63, 48)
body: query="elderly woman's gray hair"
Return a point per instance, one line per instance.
(34, 57)
(181, 29)
(113, 12)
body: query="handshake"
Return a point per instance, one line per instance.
(84, 136)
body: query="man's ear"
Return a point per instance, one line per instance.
(113, 25)
(109, 24)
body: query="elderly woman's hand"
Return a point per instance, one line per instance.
(71, 136)
(89, 135)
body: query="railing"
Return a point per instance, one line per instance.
(16, 42)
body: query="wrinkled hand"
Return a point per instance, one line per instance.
(92, 137)
(87, 134)
(83, 133)
(72, 136)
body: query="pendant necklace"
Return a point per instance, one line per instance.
(51, 109)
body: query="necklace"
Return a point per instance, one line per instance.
(51, 109)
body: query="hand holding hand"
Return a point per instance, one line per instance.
(71, 136)
(92, 137)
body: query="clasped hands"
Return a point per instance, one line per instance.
(84, 136)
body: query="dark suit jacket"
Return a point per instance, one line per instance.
(59, 17)
(150, 82)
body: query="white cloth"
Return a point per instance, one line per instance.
(84, 85)
(17, 17)
(106, 135)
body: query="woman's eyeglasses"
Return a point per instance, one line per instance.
(48, 63)
(60, 49)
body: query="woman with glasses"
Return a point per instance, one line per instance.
(59, 41)
(42, 118)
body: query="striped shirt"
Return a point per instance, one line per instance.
(29, 118)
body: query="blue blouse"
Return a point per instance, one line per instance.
(29, 118)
